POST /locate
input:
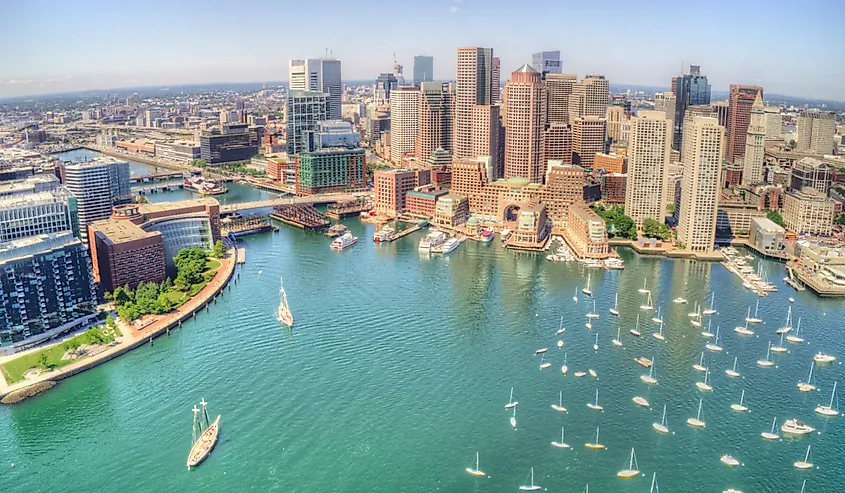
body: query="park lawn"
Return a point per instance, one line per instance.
(15, 369)
(212, 265)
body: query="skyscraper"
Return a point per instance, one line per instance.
(319, 75)
(526, 97)
(755, 144)
(435, 118)
(496, 86)
(701, 184)
(98, 185)
(616, 118)
(588, 136)
(423, 69)
(487, 136)
(474, 86)
(559, 89)
(815, 131)
(589, 97)
(546, 62)
(649, 148)
(774, 122)
(404, 121)
(385, 83)
(739, 116)
(666, 102)
(304, 110)
(690, 89)
(692, 112)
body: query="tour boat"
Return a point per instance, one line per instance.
(284, 314)
(486, 236)
(595, 405)
(765, 363)
(541, 350)
(772, 435)
(643, 290)
(633, 468)
(700, 365)
(560, 329)
(207, 438)
(643, 361)
(384, 234)
(511, 403)
(804, 464)
(729, 460)
(575, 297)
(640, 401)
(431, 241)
(711, 310)
(823, 358)
(696, 421)
(448, 246)
(679, 300)
(731, 372)
(513, 418)
(596, 344)
(586, 289)
(204, 187)
(714, 346)
(559, 405)
(649, 379)
(543, 363)
(615, 310)
(592, 373)
(593, 314)
(830, 410)
(662, 426)
(755, 319)
(636, 330)
(564, 369)
(704, 386)
(657, 318)
(741, 407)
(787, 327)
(595, 445)
(343, 241)
(530, 486)
(561, 443)
(476, 471)
(796, 337)
(795, 427)
(618, 340)
(809, 385)
(744, 330)
(647, 305)
(780, 348)
(659, 335)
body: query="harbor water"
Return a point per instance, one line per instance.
(398, 369)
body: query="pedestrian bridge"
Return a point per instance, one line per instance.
(326, 198)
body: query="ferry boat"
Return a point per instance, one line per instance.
(204, 187)
(486, 236)
(448, 246)
(285, 316)
(384, 234)
(208, 435)
(343, 241)
(431, 241)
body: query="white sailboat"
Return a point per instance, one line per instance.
(804, 464)
(284, 315)
(643, 290)
(711, 310)
(647, 305)
(657, 318)
(654, 487)
(564, 369)
(511, 403)
(636, 331)
(543, 363)
(513, 418)
(530, 486)
(694, 312)
(476, 471)
(728, 460)
(649, 379)
(796, 337)
(696, 421)
(704, 386)
(618, 340)
(772, 435)
(741, 407)
(700, 365)
(659, 335)
(780, 348)
(755, 319)
(830, 410)
(707, 333)
(787, 327)
(594, 313)
(595, 405)
(744, 330)
(809, 385)
(823, 358)
(715, 345)
(561, 443)
(596, 344)
(595, 445)
(765, 363)
(559, 405)
(640, 401)
(662, 426)
(696, 322)
(615, 310)
(560, 329)
(586, 289)
(633, 467)
(575, 298)
(731, 372)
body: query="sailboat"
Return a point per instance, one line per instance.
(772, 435)
(780, 347)
(808, 386)
(513, 418)
(207, 438)
(511, 403)
(564, 369)
(559, 405)
(700, 365)
(530, 486)
(657, 318)
(593, 314)
(285, 315)
(633, 467)
(643, 290)
(618, 340)
(586, 289)
(755, 319)
(704, 386)
(796, 337)
(636, 331)
(575, 298)
(741, 407)
(476, 471)
(823, 358)
(659, 335)
(787, 327)
(561, 443)
(696, 421)
(640, 401)
(596, 344)
(560, 329)
(694, 312)
(647, 305)
(707, 333)
(714, 346)
(615, 310)
(732, 371)
(765, 363)
(595, 445)
(543, 363)
(829, 410)
(595, 405)
(696, 322)
(744, 330)
(649, 379)
(804, 464)
(661, 427)
(654, 487)
(711, 310)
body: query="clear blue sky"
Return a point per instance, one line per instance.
(788, 47)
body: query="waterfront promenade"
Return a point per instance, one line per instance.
(132, 337)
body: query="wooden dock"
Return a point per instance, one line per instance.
(243, 226)
(303, 216)
(405, 232)
(349, 208)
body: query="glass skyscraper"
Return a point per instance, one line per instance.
(423, 69)
(691, 89)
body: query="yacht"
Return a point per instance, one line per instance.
(795, 427)
(432, 240)
(343, 241)
(384, 234)
(679, 300)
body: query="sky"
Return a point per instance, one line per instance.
(53, 46)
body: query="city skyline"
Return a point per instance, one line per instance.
(81, 61)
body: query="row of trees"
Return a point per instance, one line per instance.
(618, 224)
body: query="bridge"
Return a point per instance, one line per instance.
(326, 198)
(157, 176)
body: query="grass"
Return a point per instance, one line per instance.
(212, 265)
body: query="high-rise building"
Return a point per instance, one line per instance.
(475, 85)
(774, 122)
(236, 142)
(815, 131)
(705, 110)
(809, 174)
(546, 62)
(616, 119)
(496, 86)
(722, 110)
(588, 136)
(701, 185)
(404, 121)
(739, 116)
(423, 69)
(435, 118)
(526, 97)
(319, 75)
(304, 110)
(331, 170)
(391, 186)
(487, 138)
(649, 147)
(559, 89)
(32, 214)
(557, 144)
(385, 83)
(755, 144)
(589, 97)
(331, 133)
(98, 185)
(666, 102)
(690, 89)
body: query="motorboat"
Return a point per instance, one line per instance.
(796, 427)
(343, 241)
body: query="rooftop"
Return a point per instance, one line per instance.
(175, 206)
(766, 224)
(23, 247)
(120, 231)
(13, 201)
(97, 161)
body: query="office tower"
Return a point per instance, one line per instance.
(739, 116)
(701, 185)
(690, 89)
(435, 119)
(559, 88)
(616, 118)
(423, 69)
(810, 174)
(721, 108)
(37, 213)
(487, 136)
(774, 122)
(546, 62)
(404, 121)
(649, 148)
(526, 97)
(331, 133)
(755, 144)
(385, 83)
(666, 102)
(557, 144)
(589, 97)
(319, 75)
(304, 109)
(690, 114)
(235, 142)
(495, 92)
(815, 131)
(331, 170)
(474, 86)
(98, 185)
(588, 136)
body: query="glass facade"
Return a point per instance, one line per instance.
(182, 232)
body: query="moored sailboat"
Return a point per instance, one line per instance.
(561, 443)
(715, 345)
(530, 486)
(787, 327)
(595, 445)
(711, 310)
(618, 340)
(755, 319)
(633, 467)
(284, 315)
(704, 386)
(700, 365)
(780, 348)
(559, 405)
(650, 378)
(808, 386)
(696, 421)
(731, 372)
(647, 305)
(476, 471)
(830, 410)
(659, 335)
(796, 337)
(772, 435)
(208, 433)
(741, 407)
(765, 363)
(744, 330)
(595, 405)
(636, 330)
(586, 289)
(511, 403)
(640, 401)
(662, 426)
(804, 464)
(615, 310)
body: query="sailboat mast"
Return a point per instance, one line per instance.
(205, 414)
(196, 425)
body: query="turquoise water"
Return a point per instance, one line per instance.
(398, 370)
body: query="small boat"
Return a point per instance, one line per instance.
(448, 246)
(207, 437)
(633, 468)
(772, 435)
(636, 330)
(559, 344)
(343, 241)
(560, 329)
(661, 427)
(580, 373)
(643, 361)
(731, 372)
(649, 379)
(595, 445)
(694, 313)
(588, 325)
(823, 358)
(654, 487)
(700, 365)
(596, 344)
(541, 350)
(780, 348)
(511, 403)
(564, 369)
(618, 340)
(559, 405)
(657, 318)
(530, 486)
(796, 427)
(640, 401)
(765, 363)
(711, 310)
(284, 314)
(592, 373)
(787, 327)
(561, 443)
(696, 421)
(575, 298)
(513, 418)
(744, 330)
(643, 290)
(714, 346)
(755, 319)
(659, 335)
(384, 234)
(830, 410)
(704, 386)
(707, 333)
(796, 337)
(741, 407)
(486, 236)
(792, 300)
(593, 314)
(476, 471)
(543, 363)
(809, 385)
(679, 300)
(586, 289)
(615, 310)
(647, 305)
(728, 460)
(595, 405)
(804, 464)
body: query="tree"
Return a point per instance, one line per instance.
(42, 360)
(840, 219)
(219, 249)
(793, 144)
(655, 229)
(776, 218)
(166, 285)
(121, 295)
(626, 226)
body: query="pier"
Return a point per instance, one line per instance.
(157, 177)
(814, 281)
(322, 199)
(355, 207)
(405, 232)
(303, 216)
(162, 187)
(242, 226)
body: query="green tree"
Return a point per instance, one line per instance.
(166, 285)
(219, 249)
(655, 229)
(840, 219)
(626, 226)
(121, 295)
(793, 144)
(776, 218)
(42, 360)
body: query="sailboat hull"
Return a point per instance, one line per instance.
(627, 473)
(827, 411)
(697, 423)
(660, 428)
(739, 408)
(594, 446)
(560, 444)
(614, 312)
(803, 465)
(558, 408)
(770, 436)
(475, 472)
(204, 444)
